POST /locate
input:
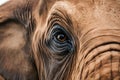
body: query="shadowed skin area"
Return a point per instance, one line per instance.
(60, 40)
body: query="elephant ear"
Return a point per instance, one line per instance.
(5, 11)
(15, 58)
(11, 31)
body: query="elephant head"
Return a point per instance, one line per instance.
(60, 40)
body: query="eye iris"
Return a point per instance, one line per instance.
(61, 37)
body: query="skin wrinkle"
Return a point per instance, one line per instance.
(24, 54)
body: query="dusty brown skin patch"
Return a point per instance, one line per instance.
(92, 25)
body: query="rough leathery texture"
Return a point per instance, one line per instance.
(91, 27)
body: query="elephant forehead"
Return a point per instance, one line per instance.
(74, 10)
(92, 13)
(78, 13)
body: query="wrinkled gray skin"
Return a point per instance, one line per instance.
(25, 46)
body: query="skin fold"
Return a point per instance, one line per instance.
(89, 48)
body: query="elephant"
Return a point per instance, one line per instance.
(60, 40)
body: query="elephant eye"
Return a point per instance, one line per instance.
(60, 36)
(60, 41)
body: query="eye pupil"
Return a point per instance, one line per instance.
(61, 37)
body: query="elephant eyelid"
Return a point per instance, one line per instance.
(59, 17)
(55, 19)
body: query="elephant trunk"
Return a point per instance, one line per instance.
(104, 65)
(101, 56)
